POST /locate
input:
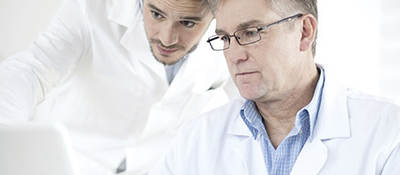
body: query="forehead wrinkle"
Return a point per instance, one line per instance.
(248, 24)
(226, 12)
(241, 26)
(181, 8)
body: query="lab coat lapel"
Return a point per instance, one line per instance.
(311, 159)
(333, 117)
(245, 149)
(332, 123)
(173, 102)
(189, 80)
(182, 83)
(202, 70)
(187, 95)
(198, 73)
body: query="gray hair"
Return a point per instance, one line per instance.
(284, 8)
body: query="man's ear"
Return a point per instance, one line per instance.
(309, 31)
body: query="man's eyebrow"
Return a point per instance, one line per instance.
(192, 18)
(248, 24)
(156, 9)
(240, 26)
(220, 32)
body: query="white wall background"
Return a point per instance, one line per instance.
(21, 21)
(359, 40)
(348, 43)
(389, 81)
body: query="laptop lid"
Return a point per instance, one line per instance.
(35, 149)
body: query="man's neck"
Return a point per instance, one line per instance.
(280, 115)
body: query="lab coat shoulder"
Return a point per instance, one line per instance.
(383, 107)
(373, 139)
(376, 117)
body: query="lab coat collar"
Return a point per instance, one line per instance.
(333, 118)
(332, 122)
(128, 14)
(238, 127)
(311, 158)
(124, 12)
(244, 147)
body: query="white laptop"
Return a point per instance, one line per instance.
(35, 149)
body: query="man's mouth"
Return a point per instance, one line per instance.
(245, 73)
(166, 51)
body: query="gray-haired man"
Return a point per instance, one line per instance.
(294, 118)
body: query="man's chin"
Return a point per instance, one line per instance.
(170, 59)
(166, 59)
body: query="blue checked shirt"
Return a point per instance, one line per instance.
(280, 161)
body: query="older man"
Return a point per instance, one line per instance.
(120, 95)
(295, 118)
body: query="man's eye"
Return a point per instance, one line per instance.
(188, 24)
(156, 15)
(225, 38)
(251, 33)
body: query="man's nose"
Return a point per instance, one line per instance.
(169, 35)
(236, 53)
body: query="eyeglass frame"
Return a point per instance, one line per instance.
(260, 28)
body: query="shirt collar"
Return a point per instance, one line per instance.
(313, 107)
(172, 70)
(252, 118)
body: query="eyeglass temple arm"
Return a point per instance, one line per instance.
(212, 39)
(280, 21)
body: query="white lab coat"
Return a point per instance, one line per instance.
(93, 72)
(355, 134)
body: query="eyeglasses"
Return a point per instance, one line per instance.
(243, 37)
